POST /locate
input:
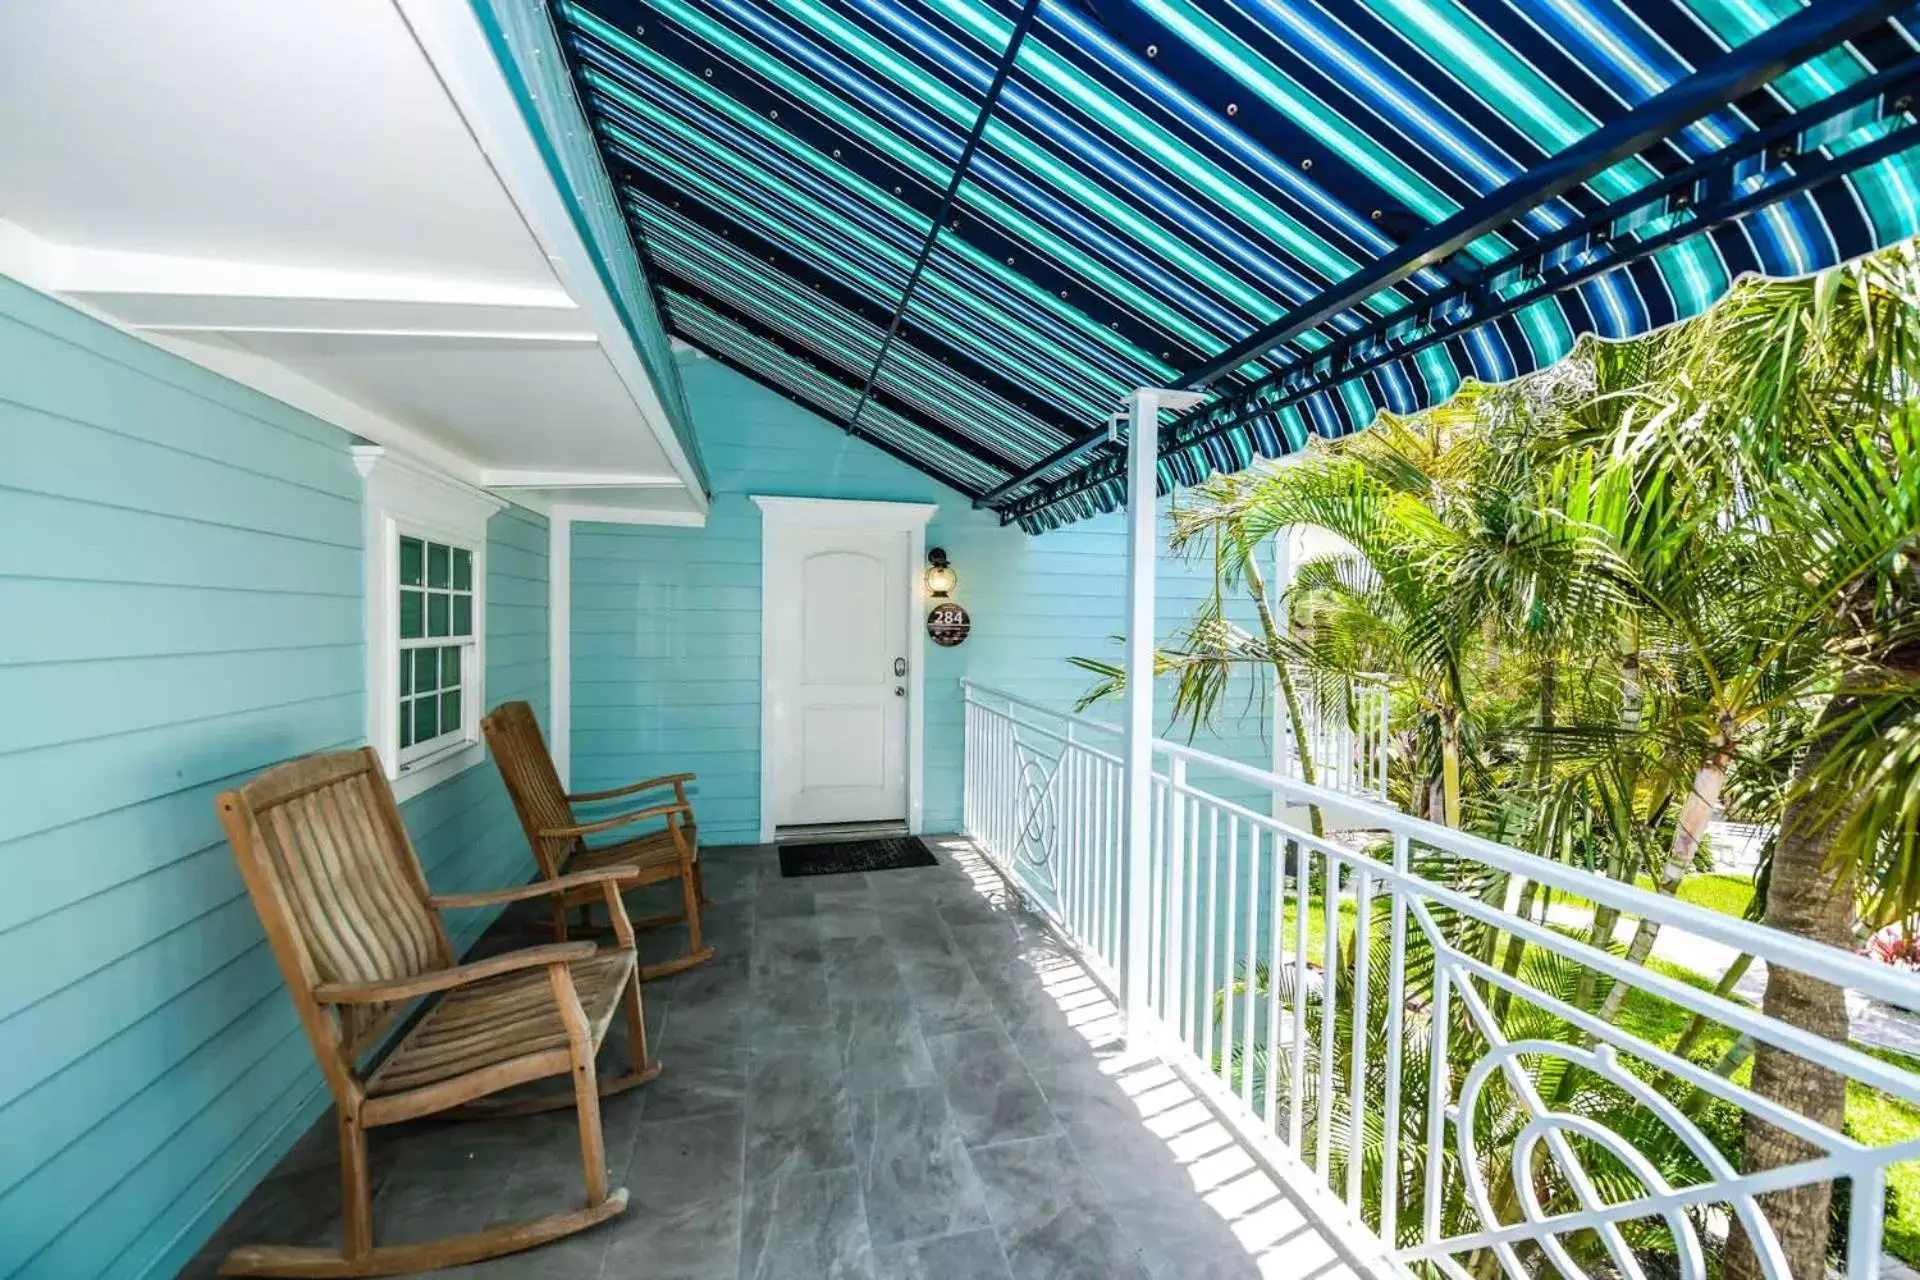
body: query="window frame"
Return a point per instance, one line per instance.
(405, 498)
(416, 754)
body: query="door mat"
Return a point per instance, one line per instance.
(844, 857)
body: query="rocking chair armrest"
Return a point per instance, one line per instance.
(537, 889)
(460, 975)
(618, 820)
(674, 780)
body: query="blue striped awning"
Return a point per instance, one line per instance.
(970, 258)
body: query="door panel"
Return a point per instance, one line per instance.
(840, 723)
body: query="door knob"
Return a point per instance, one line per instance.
(899, 691)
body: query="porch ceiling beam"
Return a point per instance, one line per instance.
(1812, 31)
(1749, 67)
(944, 212)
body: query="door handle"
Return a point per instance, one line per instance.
(899, 666)
(899, 691)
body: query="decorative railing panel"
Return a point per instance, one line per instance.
(1437, 1027)
(1346, 737)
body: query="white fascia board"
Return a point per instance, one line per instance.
(83, 270)
(451, 38)
(577, 512)
(509, 478)
(844, 512)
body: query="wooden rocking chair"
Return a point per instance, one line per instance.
(558, 835)
(358, 938)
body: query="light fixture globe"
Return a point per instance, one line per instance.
(941, 579)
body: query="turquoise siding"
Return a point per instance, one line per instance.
(179, 608)
(666, 621)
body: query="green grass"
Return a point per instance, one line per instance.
(1729, 895)
(1726, 894)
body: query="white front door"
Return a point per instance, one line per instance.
(838, 666)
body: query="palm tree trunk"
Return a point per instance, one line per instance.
(1692, 824)
(1724, 988)
(1296, 716)
(1450, 770)
(1539, 769)
(1811, 898)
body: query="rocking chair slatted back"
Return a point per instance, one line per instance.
(339, 888)
(513, 735)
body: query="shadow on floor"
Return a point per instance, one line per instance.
(893, 1076)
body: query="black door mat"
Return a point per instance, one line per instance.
(845, 857)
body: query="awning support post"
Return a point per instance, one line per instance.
(1143, 457)
(1136, 853)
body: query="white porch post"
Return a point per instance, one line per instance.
(1143, 453)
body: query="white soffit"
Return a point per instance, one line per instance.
(288, 194)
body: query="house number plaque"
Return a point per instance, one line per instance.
(948, 624)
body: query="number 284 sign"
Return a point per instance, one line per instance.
(948, 624)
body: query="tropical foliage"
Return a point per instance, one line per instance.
(1665, 579)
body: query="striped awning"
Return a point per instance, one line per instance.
(965, 229)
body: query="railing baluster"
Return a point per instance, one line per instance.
(1297, 1060)
(1396, 1013)
(1438, 1085)
(1150, 969)
(1866, 1222)
(1176, 999)
(1112, 865)
(1329, 1017)
(1357, 1084)
(1190, 952)
(1213, 936)
(1276, 932)
(1248, 1025)
(1227, 1037)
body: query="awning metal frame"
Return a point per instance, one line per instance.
(1701, 192)
(1741, 71)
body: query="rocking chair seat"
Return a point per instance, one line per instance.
(509, 1022)
(653, 855)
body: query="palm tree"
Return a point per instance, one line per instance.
(1813, 382)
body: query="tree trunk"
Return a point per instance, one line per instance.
(1724, 988)
(1812, 899)
(1296, 717)
(1692, 824)
(1450, 771)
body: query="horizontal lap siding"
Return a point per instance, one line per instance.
(666, 621)
(180, 607)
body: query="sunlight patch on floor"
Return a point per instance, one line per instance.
(1257, 1208)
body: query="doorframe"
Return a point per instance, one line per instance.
(785, 514)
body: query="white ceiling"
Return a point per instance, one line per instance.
(334, 202)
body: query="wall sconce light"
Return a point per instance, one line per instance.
(941, 579)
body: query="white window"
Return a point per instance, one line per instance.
(438, 676)
(426, 618)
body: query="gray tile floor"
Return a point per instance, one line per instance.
(895, 1076)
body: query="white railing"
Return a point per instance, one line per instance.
(1347, 744)
(1433, 1020)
